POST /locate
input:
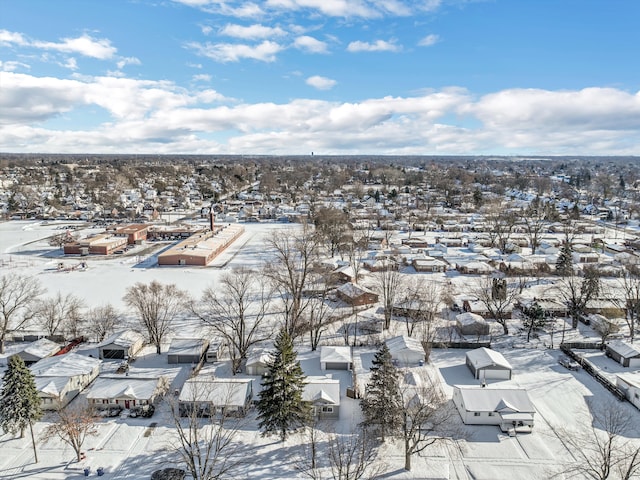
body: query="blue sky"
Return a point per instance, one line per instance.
(507, 77)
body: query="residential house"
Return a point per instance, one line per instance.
(187, 350)
(324, 395)
(356, 295)
(624, 353)
(509, 408)
(405, 350)
(335, 358)
(126, 391)
(488, 364)
(216, 396)
(429, 265)
(59, 379)
(122, 345)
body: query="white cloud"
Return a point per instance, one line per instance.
(233, 52)
(206, 29)
(331, 8)
(377, 46)
(310, 44)
(252, 32)
(124, 61)
(165, 118)
(203, 77)
(221, 7)
(12, 66)
(7, 38)
(429, 40)
(83, 45)
(71, 64)
(321, 83)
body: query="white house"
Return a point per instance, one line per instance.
(61, 378)
(488, 364)
(257, 360)
(405, 350)
(121, 345)
(324, 395)
(211, 396)
(509, 408)
(125, 391)
(335, 358)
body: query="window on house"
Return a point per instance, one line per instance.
(476, 414)
(327, 409)
(492, 414)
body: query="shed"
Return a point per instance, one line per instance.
(38, 350)
(488, 364)
(356, 295)
(187, 350)
(630, 384)
(472, 324)
(625, 354)
(509, 408)
(257, 361)
(335, 358)
(121, 345)
(405, 350)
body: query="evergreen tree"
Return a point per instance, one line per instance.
(564, 263)
(382, 405)
(533, 318)
(19, 401)
(280, 407)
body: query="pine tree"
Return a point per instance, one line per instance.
(280, 407)
(564, 263)
(382, 404)
(19, 401)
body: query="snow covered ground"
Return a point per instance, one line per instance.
(129, 448)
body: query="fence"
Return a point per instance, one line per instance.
(592, 370)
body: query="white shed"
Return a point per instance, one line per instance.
(121, 345)
(488, 364)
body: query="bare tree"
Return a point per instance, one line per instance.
(60, 313)
(73, 425)
(389, 284)
(353, 456)
(103, 320)
(18, 297)
(497, 296)
(331, 228)
(605, 450)
(319, 315)
(578, 290)
(534, 221)
(629, 284)
(428, 416)
(236, 309)
(157, 306)
(501, 223)
(295, 254)
(207, 446)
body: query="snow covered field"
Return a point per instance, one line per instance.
(130, 448)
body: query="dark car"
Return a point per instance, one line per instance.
(110, 411)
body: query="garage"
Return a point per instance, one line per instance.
(113, 354)
(187, 350)
(335, 358)
(487, 364)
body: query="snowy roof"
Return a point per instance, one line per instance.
(123, 387)
(187, 346)
(322, 390)
(67, 365)
(352, 290)
(41, 348)
(258, 357)
(468, 318)
(51, 385)
(331, 354)
(632, 379)
(123, 338)
(402, 342)
(487, 399)
(228, 391)
(623, 349)
(484, 357)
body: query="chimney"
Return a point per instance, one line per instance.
(211, 219)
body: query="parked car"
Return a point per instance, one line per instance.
(569, 363)
(123, 367)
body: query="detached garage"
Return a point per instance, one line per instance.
(335, 358)
(488, 364)
(625, 354)
(120, 346)
(187, 350)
